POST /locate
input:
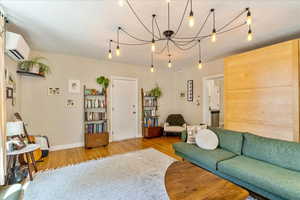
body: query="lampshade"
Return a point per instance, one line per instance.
(14, 128)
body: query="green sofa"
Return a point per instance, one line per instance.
(268, 167)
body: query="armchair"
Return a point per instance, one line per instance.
(174, 124)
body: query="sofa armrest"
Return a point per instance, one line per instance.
(166, 125)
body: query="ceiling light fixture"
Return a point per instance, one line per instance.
(169, 63)
(250, 37)
(109, 51)
(200, 56)
(121, 3)
(170, 36)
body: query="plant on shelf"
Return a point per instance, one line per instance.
(103, 82)
(156, 92)
(34, 65)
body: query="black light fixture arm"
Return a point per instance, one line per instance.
(169, 37)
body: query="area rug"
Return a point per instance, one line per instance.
(136, 175)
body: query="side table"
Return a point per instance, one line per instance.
(28, 152)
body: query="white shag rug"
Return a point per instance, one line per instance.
(132, 176)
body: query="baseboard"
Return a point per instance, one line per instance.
(66, 146)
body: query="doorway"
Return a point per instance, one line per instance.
(213, 100)
(124, 108)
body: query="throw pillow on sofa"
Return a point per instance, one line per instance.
(192, 132)
(207, 139)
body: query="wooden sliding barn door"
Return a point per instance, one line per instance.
(262, 91)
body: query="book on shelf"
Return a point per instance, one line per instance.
(150, 113)
(96, 128)
(150, 122)
(95, 116)
(94, 103)
(150, 102)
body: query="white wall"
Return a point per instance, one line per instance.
(190, 110)
(48, 115)
(11, 67)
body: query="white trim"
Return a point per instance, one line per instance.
(204, 95)
(137, 101)
(2, 109)
(66, 146)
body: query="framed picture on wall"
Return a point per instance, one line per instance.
(190, 90)
(9, 93)
(74, 86)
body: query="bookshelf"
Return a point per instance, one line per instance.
(95, 118)
(150, 116)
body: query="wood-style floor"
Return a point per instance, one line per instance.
(67, 157)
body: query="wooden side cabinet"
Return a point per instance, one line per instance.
(150, 132)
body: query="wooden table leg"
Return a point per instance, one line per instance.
(33, 161)
(28, 164)
(9, 159)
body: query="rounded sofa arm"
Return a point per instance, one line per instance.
(166, 125)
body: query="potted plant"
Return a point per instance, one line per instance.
(34, 65)
(156, 92)
(103, 82)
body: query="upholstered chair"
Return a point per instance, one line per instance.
(175, 123)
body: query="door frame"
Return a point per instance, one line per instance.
(204, 94)
(137, 102)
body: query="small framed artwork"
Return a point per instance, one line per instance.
(71, 103)
(190, 90)
(53, 91)
(74, 86)
(9, 93)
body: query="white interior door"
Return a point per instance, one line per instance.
(124, 108)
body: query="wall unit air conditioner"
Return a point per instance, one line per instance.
(16, 46)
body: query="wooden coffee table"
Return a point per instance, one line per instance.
(185, 181)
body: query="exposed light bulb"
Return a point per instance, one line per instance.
(109, 54)
(169, 64)
(200, 64)
(118, 52)
(153, 46)
(168, 1)
(121, 3)
(249, 18)
(152, 68)
(191, 19)
(250, 37)
(214, 35)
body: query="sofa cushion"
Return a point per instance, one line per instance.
(229, 140)
(177, 129)
(280, 181)
(209, 158)
(282, 153)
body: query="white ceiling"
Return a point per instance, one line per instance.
(83, 27)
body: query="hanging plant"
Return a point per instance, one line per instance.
(156, 92)
(103, 81)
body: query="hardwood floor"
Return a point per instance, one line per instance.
(67, 157)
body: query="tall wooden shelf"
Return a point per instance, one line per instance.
(150, 126)
(95, 118)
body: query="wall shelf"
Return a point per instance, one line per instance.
(26, 73)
